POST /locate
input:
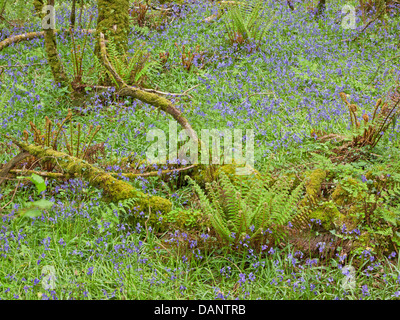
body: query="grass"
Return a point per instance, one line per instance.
(284, 90)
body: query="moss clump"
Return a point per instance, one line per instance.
(237, 173)
(185, 219)
(329, 215)
(313, 187)
(348, 191)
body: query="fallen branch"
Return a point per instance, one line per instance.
(32, 35)
(20, 65)
(172, 94)
(11, 164)
(153, 173)
(185, 93)
(144, 96)
(51, 175)
(58, 175)
(114, 190)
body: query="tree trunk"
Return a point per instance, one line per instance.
(59, 75)
(113, 21)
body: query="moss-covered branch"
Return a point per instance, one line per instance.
(147, 97)
(114, 190)
(57, 175)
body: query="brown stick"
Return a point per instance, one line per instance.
(11, 164)
(365, 27)
(12, 198)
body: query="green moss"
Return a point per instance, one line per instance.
(313, 187)
(203, 174)
(53, 58)
(185, 219)
(113, 21)
(114, 190)
(329, 215)
(38, 5)
(349, 191)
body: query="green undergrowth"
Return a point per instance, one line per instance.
(296, 227)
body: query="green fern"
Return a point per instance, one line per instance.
(249, 208)
(247, 22)
(135, 69)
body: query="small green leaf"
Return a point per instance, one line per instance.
(38, 181)
(32, 213)
(43, 204)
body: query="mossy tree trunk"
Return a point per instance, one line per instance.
(38, 5)
(113, 22)
(59, 75)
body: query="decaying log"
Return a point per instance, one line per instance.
(114, 190)
(129, 175)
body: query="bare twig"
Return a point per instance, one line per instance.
(12, 198)
(374, 75)
(155, 91)
(259, 93)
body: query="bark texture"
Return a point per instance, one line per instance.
(113, 21)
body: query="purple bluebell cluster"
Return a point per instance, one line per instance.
(283, 90)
